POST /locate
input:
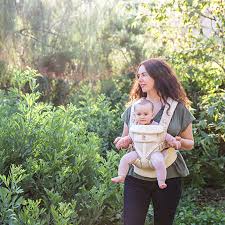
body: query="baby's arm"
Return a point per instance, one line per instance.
(172, 141)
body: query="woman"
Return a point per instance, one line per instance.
(156, 81)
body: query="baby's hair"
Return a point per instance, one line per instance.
(144, 101)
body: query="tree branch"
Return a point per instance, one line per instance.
(208, 17)
(23, 33)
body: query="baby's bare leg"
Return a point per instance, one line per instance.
(126, 160)
(157, 159)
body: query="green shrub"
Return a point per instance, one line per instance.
(193, 215)
(67, 180)
(65, 154)
(11, 199)
(101, 118)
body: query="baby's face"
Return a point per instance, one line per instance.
(143, 114)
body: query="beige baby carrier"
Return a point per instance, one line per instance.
(150, 138)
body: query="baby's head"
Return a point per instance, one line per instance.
(143, 111)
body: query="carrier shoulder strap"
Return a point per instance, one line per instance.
(168, 113)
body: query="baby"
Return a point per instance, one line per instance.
(143, 112)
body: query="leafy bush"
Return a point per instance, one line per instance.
(67, 180)
(190, 212)
(101, 116)
(204, 81)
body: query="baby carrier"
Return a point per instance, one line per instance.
(150, 138)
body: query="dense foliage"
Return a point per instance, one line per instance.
(56, 164)
(52, 168)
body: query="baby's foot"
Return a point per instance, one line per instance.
(119, 179)
(162, 184)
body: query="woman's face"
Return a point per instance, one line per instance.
(145, 81)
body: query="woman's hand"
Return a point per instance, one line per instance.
(172, 141)
(175, 143)
(116, 140)
(122, 142)
(185, 143)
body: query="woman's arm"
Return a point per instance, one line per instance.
(186, 138)
(125, 130)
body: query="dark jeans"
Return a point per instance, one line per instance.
(139, 193)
